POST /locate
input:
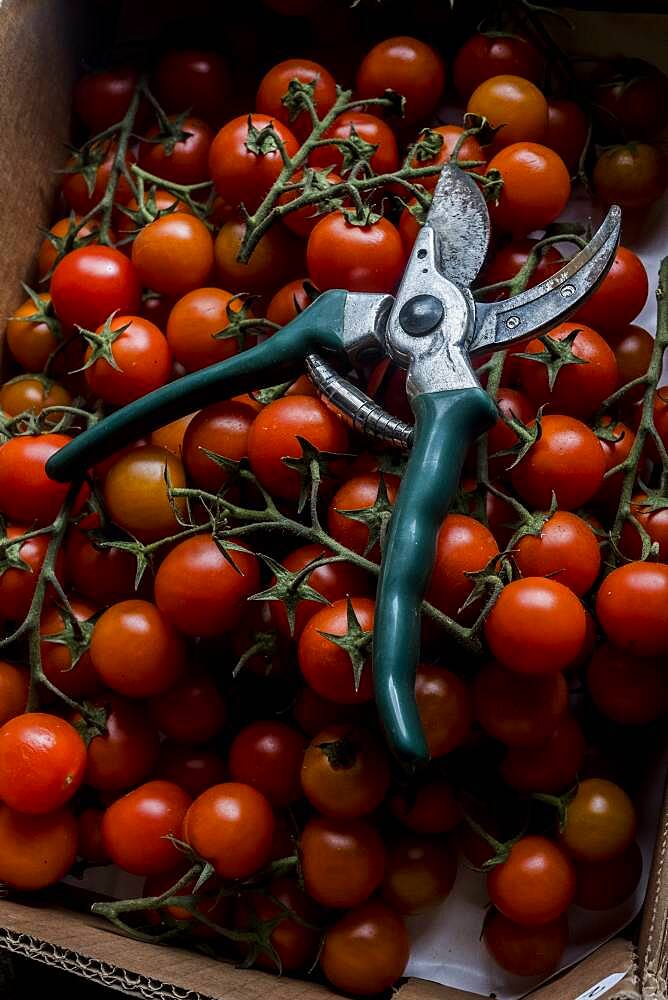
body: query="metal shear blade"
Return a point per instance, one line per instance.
(460, 220)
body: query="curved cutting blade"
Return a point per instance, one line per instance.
(537, 309)
(460, 220)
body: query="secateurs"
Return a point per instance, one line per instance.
(431, 328)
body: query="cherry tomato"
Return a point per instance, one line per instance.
(420, 874)
(174, 254)
(511, 404)
(600, 821)
(536, 187)
(632, 97)
(313, 713)
(36, 851)
(614, 451)
(526, 951)
(66, 661)
(193, 322)
(102, 99)
(31, 341)
(371, 130)
(210, 903)
(620, 296)
(343, 861)
(302, 221)
(170, 437)
(42, 762)
(360, 493)
(520, 710)
(445, 707)
(274, 435)
(295, 943)
(48, 250)
(184, 161)
(632, 176)
(136, 828)
(221, 428)
(605, 884)
(632, 608)
(514, 105)
(192, 768)
(509, 260)
(156, 202)
(566, 460)
(136, 495)
(463, 546)
(275, 85)
(268, 755)
(430, 807)
(32, 394)
(291, 299)
(340, 254)
(535, 885)
(232, 826)
(326, 665)
(654, 522)
(194, 79)
(103, 575)
(26, 492)
(277, 257)
(566, 550)
(91, 283)
(244, 161)
(626, 688)
(191, 711)
(74, 185)
(578, 389)
(567, 131)
(142, 360)
(19, 579)
(632, 347)
(410, 68)
(90, 846)
(14, 684)
(345, 773)
(552, 767)
(366, 951)
(125, 754)
(483, 56)
(470, 149)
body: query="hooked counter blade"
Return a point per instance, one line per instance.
(460, 220)
(538, 309)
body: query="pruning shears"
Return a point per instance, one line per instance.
(432, 328)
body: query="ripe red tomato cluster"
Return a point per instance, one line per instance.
(161, 740)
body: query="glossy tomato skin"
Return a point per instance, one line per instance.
(483, 56)
(290, 300)
(470, 149)
(142, 357)
(514, 105)
(103, 575)
(567, 130)
(632, 608)
(232, 826)
(620, 296)
(239, 174)
(42, 762)
(410, 68)
(221, 428)
(370, 129)
(420, 874)
(187, 162)
(31, 343)
(74, 185)
(91, 283)
(579, 389)
(445, 708)
(268, 756)
(126, 753)
(36, 851)
(600, 821)
(135, 492)
(614, 453)
(31, 393)
(566, 460)
(78, 681)
(632, 176)
(192, 768)
(197, 79)
(14, 684)
(326, 667)
(191, 711)
(357, 494)
(602, 885)
(526, 951)
(632, 347)
(629, 689)
(200, 591)
(535, 885)
(192, 323)
(295, 943)
(26, 492)
(343, 861)
(90, 847)
(273, 436)
(552, 767)
(359, 258)
(463, 546)
(275, 85)
(345, 771)
(566, 550)
(512, 404)
(277, 257)
(518, 709)
(536, 187)
(174, 254)
(333, 580)
(366, 951)
(102, 99)
(430, 807)
(17, 583)
(135, 828)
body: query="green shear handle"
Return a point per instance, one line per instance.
(447, 422)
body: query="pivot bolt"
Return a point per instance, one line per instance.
(421, 314)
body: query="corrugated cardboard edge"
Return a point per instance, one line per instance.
(653, 946)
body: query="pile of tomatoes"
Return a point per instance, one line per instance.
(202, 715)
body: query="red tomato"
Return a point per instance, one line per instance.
(49, 251)
(293, 939)
(136, 493)
(274, 435)
(91, 283)
(633, 350)
(66, 661)
(632, 608)
(632, 176)
(360, 493)
(430, 807)
(511, 258)
(268, 755)
(184, 161)
(518, 709)
(566, 460)
(655, 523)
(566, 550)
(345, 771)
(536, 626)
(136, 827)
(620, 296)
(42, 762)
(313, 713)
(14, 684)
(277, 257)
(340, 254)
(631, 96)
(170, 437)
(511, 404)
(470, 149)
(192, 768)
(579, 389)
(420, 874)
(463, 546)
(142, 360)
(326, 665)
(535, 885)
(366, 951)
(33, 393)
(102, 99)
(614, 453)
(600, 821)
(536, 187)
(302, 221)
(245, 162)
(36, 851)
(371, 130)
(103, 575)
(33, 341)
(526, 951)
(275, 85)
(18, 579)
(343, 861)
(486, 55)
(626, 688)
(221, 428)
(211, 904)
(605, 884)
(291, 299)
(445, 707)
(193, 323)
(567, 131)
(26, 492)
(232, 826)
(191, 711)
(74, 185)
(90, 846)
(410, 68)
(194, 79)
(512, 104)
(126, 753)
(552, 767)
(174, 254)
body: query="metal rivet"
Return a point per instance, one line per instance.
(512, 322)
(422, 254)
(567, 291)
(421, 314)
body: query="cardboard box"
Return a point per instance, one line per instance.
(41, 42)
